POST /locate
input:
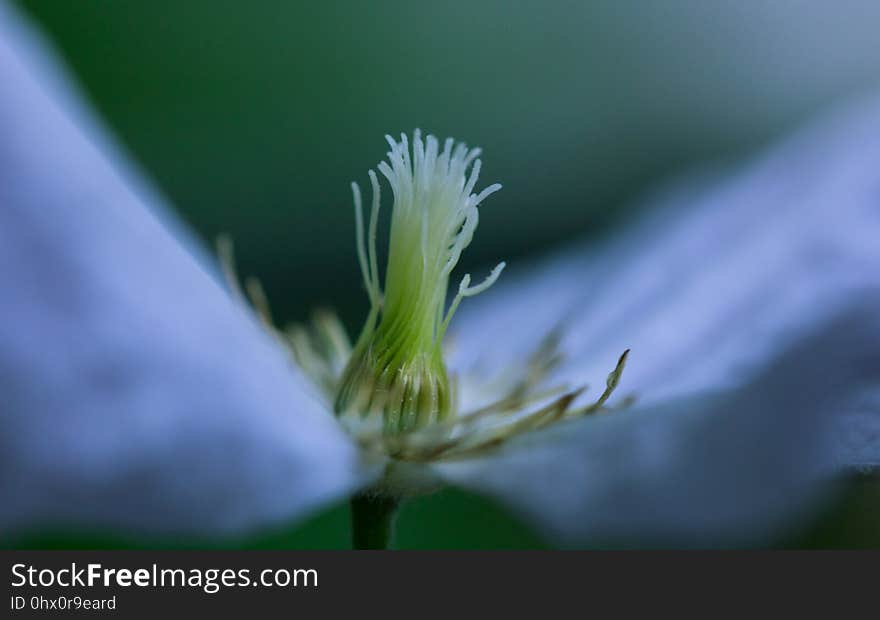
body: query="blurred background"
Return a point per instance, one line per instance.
(252, 119)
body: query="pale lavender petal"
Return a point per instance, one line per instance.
(723, 469)
(135, 394)
(712, 280)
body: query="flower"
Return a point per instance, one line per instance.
(138, 394)
(391, 390)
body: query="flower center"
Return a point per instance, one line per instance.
(391, 390)
(396, 371)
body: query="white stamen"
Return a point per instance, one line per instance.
(359, 237)
(472, 180)
(374, 222)
(465, 290)
(486, 193)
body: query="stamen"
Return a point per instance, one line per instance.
(486, 193)
(359, 237)
(374, 222)
(444, 156)
(610, 385)
(465, 290)
(475, 174)
(331, 331)
(462, 240)
(226, 255)
(474, 153)
(470, 291)
(260, 301)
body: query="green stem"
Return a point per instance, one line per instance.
(372, 521)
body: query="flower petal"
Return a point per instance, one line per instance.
(727, 469)
(136, 393)
(709, 284)
(857, 435)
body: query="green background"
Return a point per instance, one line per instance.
(252, 118)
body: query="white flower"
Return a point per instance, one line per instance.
(137, 394)
(391, 390)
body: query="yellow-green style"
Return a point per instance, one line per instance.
(396, 367)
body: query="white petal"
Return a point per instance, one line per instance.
(721, 470)
(135, 393)
(711, 283)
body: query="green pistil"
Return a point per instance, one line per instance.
(396, 369)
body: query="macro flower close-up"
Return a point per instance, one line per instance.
(703, 373)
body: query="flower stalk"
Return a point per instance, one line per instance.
(372, 521)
